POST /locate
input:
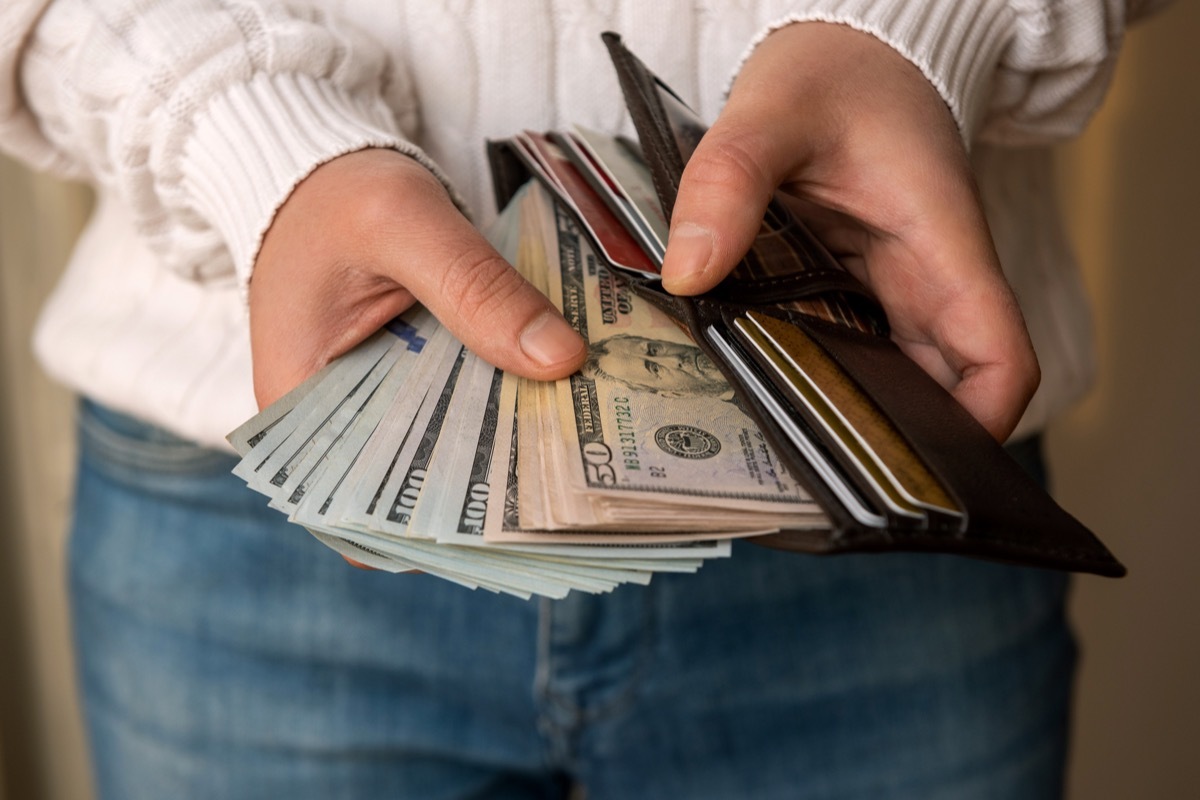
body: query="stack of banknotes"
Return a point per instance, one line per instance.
(410, 453)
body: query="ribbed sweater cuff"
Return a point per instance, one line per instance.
(955, 44)
(256, 141)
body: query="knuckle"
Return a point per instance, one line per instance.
(371, 217)
(378, 206)
(478, 281)
(731, 163)
(1033, 376)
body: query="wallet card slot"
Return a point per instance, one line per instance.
(829, 423)
(619, 176)
(611, 238)
(804, 442)
(852, 417)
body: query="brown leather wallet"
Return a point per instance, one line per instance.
(895, 462)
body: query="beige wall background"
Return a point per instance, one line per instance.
(41, 745)
(1125, 461)
(1128, 459)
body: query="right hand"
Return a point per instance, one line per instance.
(843, 122)
(363, 238)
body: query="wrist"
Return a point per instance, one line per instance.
(246, 153)
(955, 45)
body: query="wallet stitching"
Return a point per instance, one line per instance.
(642, 107)
(807, 276)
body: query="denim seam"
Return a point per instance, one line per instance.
(555, 733)
(622, 702)
(628, 697)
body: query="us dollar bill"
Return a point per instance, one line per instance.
(355, 502)
(283, 444)
(650, 418)
(450, 478)
(403, 489)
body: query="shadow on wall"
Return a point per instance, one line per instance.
(18, 714)
(41, 745)
(1126, 460)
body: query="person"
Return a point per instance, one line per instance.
(276, 180)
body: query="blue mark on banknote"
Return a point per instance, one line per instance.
(408, 333)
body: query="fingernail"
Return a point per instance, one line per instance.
(549, 340)
(690, 248)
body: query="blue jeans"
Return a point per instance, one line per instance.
(224, 653)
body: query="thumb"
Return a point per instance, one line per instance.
(488, 306)
(723, 195)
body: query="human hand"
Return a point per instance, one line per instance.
(363, 238)
(843, 122)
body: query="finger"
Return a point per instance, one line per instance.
(486, 303)
(967, 310)
(994, 391)
(362, 566)
(723, 195)
(953, 313)
(980, 351)
(1002, 372)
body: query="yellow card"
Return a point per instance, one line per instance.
(853, 419)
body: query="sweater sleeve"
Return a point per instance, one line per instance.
(1013, 72)
(202, 115)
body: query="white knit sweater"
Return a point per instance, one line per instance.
(195, 118)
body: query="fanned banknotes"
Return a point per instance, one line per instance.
(773, 408)
(405, 453)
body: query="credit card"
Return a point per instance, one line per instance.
(851, 417)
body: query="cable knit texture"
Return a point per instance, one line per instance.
(196, 118)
